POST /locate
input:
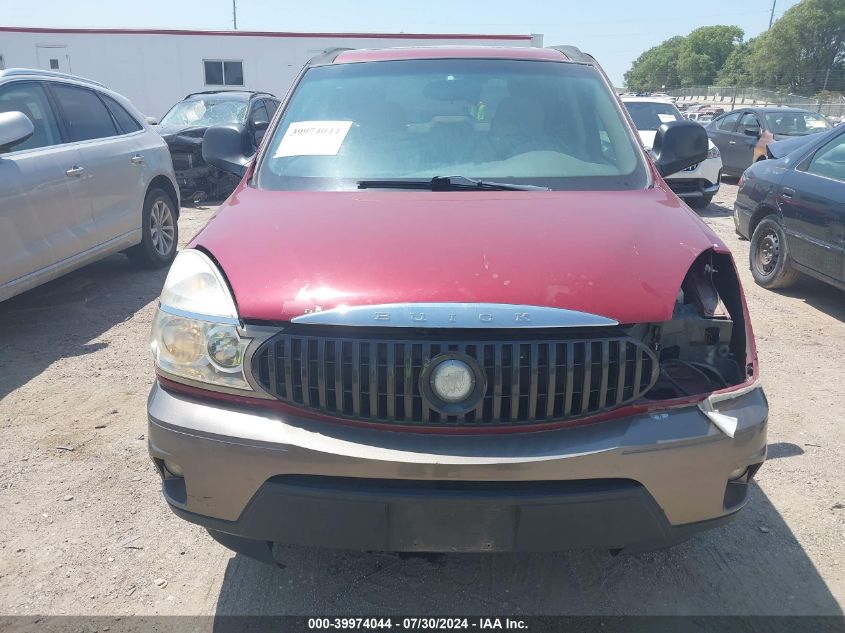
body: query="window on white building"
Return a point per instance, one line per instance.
(220, 72)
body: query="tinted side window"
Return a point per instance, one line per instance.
(125, 120)
(85, 115)
(259, 114)
(271, 107)
(728, 122)
(749, 121)
(829, 161)
(30, 98)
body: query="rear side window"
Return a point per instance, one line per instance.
(829, 161)
(271, 107)
(31, 99)
(126, 121)
(85, 115)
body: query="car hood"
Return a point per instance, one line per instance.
(619, 254)
(781, 148)
(647, 138)
(175, 135)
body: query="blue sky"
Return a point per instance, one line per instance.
(615, 31)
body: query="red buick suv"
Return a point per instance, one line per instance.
(453, 306)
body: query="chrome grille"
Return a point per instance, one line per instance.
(529, 381)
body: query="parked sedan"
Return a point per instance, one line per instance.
(696, 184)
(793, 209)
(82, 175)
(743, 135)
(184, 126)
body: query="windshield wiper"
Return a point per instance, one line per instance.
(448, 183)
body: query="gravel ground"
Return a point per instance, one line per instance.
(85, 530)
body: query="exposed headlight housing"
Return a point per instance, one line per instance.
(196, 332)
(713, 152)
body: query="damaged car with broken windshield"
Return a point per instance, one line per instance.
(185, 124)
(453, 306)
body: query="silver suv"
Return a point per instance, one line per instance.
(82, 176)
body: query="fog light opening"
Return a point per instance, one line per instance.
(173, 469)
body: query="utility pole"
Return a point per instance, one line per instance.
(235, 13)
(771, 17)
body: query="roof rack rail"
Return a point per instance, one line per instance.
(225, 90)
(327, 56)
(575, 54)
(30, 72)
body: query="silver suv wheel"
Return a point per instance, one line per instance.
(162, 227)
(160, 231)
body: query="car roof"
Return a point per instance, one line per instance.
(765, 109)
(351, 56)
(663, 100)
(226, 95)
(35, 74)
(46, 75)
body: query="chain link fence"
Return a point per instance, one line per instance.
(730, 97)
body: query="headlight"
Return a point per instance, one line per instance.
(195, 332)
(713, 152)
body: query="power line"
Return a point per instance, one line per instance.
(772, 15)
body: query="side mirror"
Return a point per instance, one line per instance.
(259, 129)
(224, 147)
(151, 120)
(678, 145)
(15, 128)
(752, 130)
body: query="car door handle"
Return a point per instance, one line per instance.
(787, 192)
(75, 171)
(732, 142)
(137, 159)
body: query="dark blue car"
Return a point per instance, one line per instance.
(792, 208)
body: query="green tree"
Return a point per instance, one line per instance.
(804, 51)
(684, 61)
(735, 71)
(705, 51)
(656, 68)
(695, 69)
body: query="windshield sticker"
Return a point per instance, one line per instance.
(313, 138)
(666, 118)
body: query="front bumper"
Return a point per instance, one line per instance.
(693, 187)
(195, 179)
(742, 218)
(637, 482)
(699, 182)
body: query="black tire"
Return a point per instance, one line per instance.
(771, 265)
(700, 203)
(160, 231)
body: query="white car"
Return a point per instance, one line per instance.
(697, 184)
(82, 176)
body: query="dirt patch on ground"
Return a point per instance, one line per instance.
(85, 530)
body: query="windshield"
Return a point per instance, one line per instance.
(650, 115)
(796, 123)
(204, 113)
(547, 124)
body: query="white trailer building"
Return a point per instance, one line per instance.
(156, 68)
